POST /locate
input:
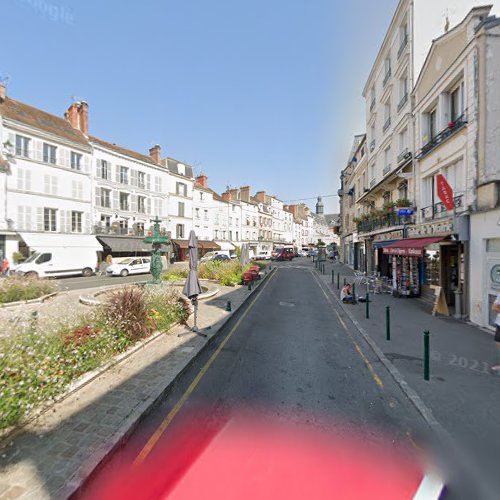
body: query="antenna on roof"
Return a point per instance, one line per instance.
(75, 98)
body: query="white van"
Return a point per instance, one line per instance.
(59, 262)
(211, 255)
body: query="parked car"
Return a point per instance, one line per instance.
(302, 253)
(59, 261)
(263, 255)
(313, 253)
(131, 265)
(221, 257)
(211, 255)
(283, 254)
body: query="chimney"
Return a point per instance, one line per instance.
(261, 196)
(2, 92)
(73, 116)
(202, 180)
(83, 114)
(233, 193)
(155, 153)
(226, 196)
(245, 193)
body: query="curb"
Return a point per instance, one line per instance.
(41, 299)
(75, 485)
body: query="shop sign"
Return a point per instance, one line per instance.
(404, 252)
(445, 192)
(405, 211)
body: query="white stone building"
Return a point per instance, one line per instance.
(45, 178)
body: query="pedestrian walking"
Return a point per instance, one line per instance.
(5, 267)
(496, 308)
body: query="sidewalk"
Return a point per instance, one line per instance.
(52, 456)
(462, 394)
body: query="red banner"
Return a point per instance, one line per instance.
(445, 192)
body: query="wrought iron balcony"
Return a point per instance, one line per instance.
(404, 156)
(372, 182)
(402, 102)
(372, 105)
(439, 211)
(451, 129)
(403, 45)
(385, 221)
(387, 169)
(387, 124)
(388, 74)
(372, 145)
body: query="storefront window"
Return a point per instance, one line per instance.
(432, 261)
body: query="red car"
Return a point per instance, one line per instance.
(283, 254)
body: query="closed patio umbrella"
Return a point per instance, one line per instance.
(244, 256)
(192, 286)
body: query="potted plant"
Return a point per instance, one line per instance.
(389, 206)
(403, 203)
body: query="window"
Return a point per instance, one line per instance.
(123, 224)
(432, 124)
(49, 153)
(230, 235)
(22, 146)
(105, 170)
(106, 221)
(50, 184)
(197, 213)
(141, 204)
(158, 184)
(123, 175)
(76, 222)
(403, 191)
(45, 257)
(105, 198)
(180, 209)
(181, 189)
(201, 195)
(49, 219)
(124, 201)
(206, 215)
(456, 103)
(179, 230)
(76, 161)
(141, 180)
(139, 229)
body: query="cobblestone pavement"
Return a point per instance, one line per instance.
(52, 455)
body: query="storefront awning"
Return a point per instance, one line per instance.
(43, 241)
(181, 243)
(382, 244)
(123, 244)
(208, 245)
(411, 247)
(225, 245)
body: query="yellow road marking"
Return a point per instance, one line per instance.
(358, 349)
(173, 412)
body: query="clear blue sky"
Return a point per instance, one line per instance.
(260, 92)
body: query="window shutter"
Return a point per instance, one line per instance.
(12, 140)
(27, 180)
(85, 164)
(28, 224)
(110, 171)
(148, 206)
(116, 200)
(133, 203)
(20, 218)
(74, 189)
(133, 177)
(80, 190)
(86, 223)
(39, 219)
(54, 185)
(63, 157)
(46, 184)
(37, 150)
(148, 182)
(20, 178)
(98, 166)
(98, 196)
(117, 173)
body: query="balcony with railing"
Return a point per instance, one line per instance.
(439, 211)
(386, 169)
(402, 102)
(118, 231)
(388, 74)
(372, 182)
(404, 156)
(452, 128)
(387, 124)
(372, 104)
(385, 221)
(402, 46)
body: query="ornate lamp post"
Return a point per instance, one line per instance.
(157, 241)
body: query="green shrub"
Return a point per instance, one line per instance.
(16, 288)
(175, 274)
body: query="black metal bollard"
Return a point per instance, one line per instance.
(345, 281)
(367, 298)
(354, 291)
(388, 322)
(338, 281)
(228, 306)
(426, 355)
(249, 285)
(333, 276)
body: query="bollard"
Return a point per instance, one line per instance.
(338, 281)
(333, 276)
(388, 322)
(367, 298)
(345, 281)
(426, 355)
(249, 285)
(354, 291)
(228, 306)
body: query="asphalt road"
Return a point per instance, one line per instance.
(80, 283)
(294, 355)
